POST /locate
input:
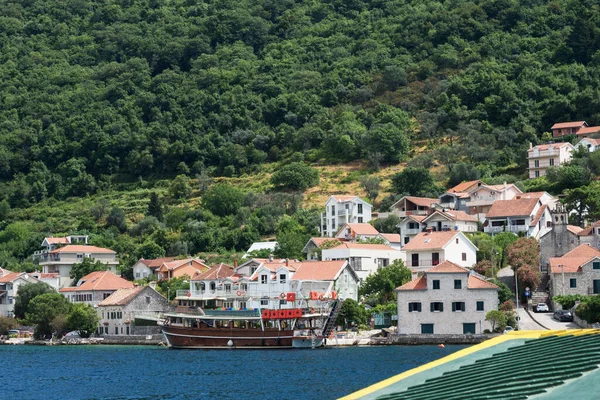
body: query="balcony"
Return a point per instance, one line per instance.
(506, 228)
(450, 204)
(413, 231)
(212, 294)
(545, 164)
(423, 263)
(482, 201)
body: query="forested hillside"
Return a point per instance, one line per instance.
(97, 93)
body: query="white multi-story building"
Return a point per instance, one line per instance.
(447, 299)
(429, 249)
(521, 214)
(544, 156)
(364, 258)
(9, 288)
(95, 287)
(340, 210)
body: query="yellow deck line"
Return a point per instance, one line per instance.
(515, 335)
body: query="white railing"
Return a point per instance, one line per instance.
(413, 231)
(423, 263)
(507, 228)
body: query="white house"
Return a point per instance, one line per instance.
(95, 287)
(312, 248)
(483, 197)
(450, 220)
(364, 258)
(576, 272)
(147, 268)
(216, 287)
(340, 210)
(391, 239)
(409, 227)
(429, 249)
(588, 143)
(326, 277)
(447, 299)
(521, 214)
(61, 260)
(356, 232)
(9, 288)
(544, 156)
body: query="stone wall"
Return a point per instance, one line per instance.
(431, 339)
(133, 340)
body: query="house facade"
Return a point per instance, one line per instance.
(356, 232)
(589, 144)
(429, 249)
(364, 258)
(483, 197)
(61, 260)
(189, 267)
(95, 287)
(447, 299)
(409, 227)
(340, 210)
(567, 128)
(450, 220)
(521, 214)
(313, 247)
(576, 272)
(411, 206)
(587, 131)
(590, 235)
(326, 277)
(9, 288)
(544, 156)
(391, 239)
(118, 312)
(147, 268)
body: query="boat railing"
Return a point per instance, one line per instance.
(233, 313)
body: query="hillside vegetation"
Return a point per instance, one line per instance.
(105, 102)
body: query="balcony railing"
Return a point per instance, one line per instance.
(413, 231)
(543, 165)
(423, 263)
(506, 228)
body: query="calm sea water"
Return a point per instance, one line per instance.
(144, 372)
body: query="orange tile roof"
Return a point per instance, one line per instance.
(417, 218)
(391, 237)
(583, 250)
(421, 201)
(430, 240)
(588, 130)
(532, 195)
(475, 282)
(57, 240)
(512, 208)
(572, 264)
(344, 198)
(574, 229)
(542, 147)
(447, 267)
(319, 270)
(78, 248)
(173, 265)
(216, 272)
(454, 215)
(100, 280)
(366, 246)
(46, 276)
(361, 229)
(573, 124)
(419, 283)
(318, 241)
(10, 277)
(463, 186)
(595, 142)
(155, 263)
(538, 215)
(121, 296)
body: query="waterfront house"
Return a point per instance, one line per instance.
(129, 311)
(449, 220)
(409, 227)
(589, 144)
(326, 277)
(364, 258)
(412, 205)
(544, 156)
(95, 287)
(60, 260)
(568, 128)
(268, 286)
(521, 214)
(356, 232)
(179, 268)
(9, 288)
(453, 200)
(147, 268)
(576, 272)
(312, 248)
(428, 249)
(214, 288)
(340, 210)
(447, 299)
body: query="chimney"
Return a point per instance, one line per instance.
(287, 262)
(518, 197)
(235, 263)
(530, 146)
(428, 230)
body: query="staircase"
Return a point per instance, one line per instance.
(330, 324)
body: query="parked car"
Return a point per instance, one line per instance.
(72, 335)
(563, 316)
(508, 329)
(541, 307)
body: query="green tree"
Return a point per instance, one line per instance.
(86, 266)
(169, 288)
(370, 184)
(116, 218)
(504, 293)
(584, 201)
(150, 250)
(180, 188)
(351, 313)
(223, 199)
(6, 324)
(497, 318)
(461, 172)
(386, 225)
(295, 176)
(83, 318)
(43, 309)
(589, 310)
(414, 182)
(381, 285)
(568, 301)
(26, 293)
(389, 140)
(155, 207)
(523, 251)
(291, 237)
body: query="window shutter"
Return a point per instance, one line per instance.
(419, 307)
(431, 307)
(453, 307)
(441, 307)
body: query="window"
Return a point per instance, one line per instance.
(458, 306)
(332, 223)
(406, 240)
(242, 304)
(202, 287)
(148, 299)
(596, 287)
(283, 302)
(252, 270)
(360, 220)
(480, 306)
(436, 284)
(426, 328)
(80, 256)
(360, 211)
(414, 258)
(457, 284)
(264, 302)
(537, 174)
(435, 258)
(414, 307)
(456, 240)
(244, 287)
(282, 278)
(383, 262)
(596, 265)
(333, 211)
(552, 162)
(263, 279)
(573, 283)
(464, 256)
(468, 328)
(228, 288)
(137, 275)
(228, 304)
(105, 295)
(536, 163)
(436, 306)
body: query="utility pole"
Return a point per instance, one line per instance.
(563, 278)
(517, 294)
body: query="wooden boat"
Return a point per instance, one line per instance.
(284, 328)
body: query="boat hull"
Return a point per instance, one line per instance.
(200, 338)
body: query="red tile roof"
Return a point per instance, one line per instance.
(319, 270)
(478, 283)
(391, 237)
(121, 297)
(454, 215)
(588, 130)
(155, 263)
(57, 240)
(78, 248)
(10, 277)
(361, 229)
(574, 259)
(583, 250)
(447, 267)
(538, 215)
(463, 186)
(430, 240)
(318, 241)
(99, 280)
(573, 124)
(341, 198)
(421, 201)
(512, 208)
(574, 229)
(416, 284)
(532, 195)
(172, 265)
(217, 272)
(542, 147)
(417, 218)
(595, 142)
(366, 246)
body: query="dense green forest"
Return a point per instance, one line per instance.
(97, 94)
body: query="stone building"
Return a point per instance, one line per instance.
(560, 239)
(576, 272)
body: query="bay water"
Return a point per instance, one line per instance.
(147, 372)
